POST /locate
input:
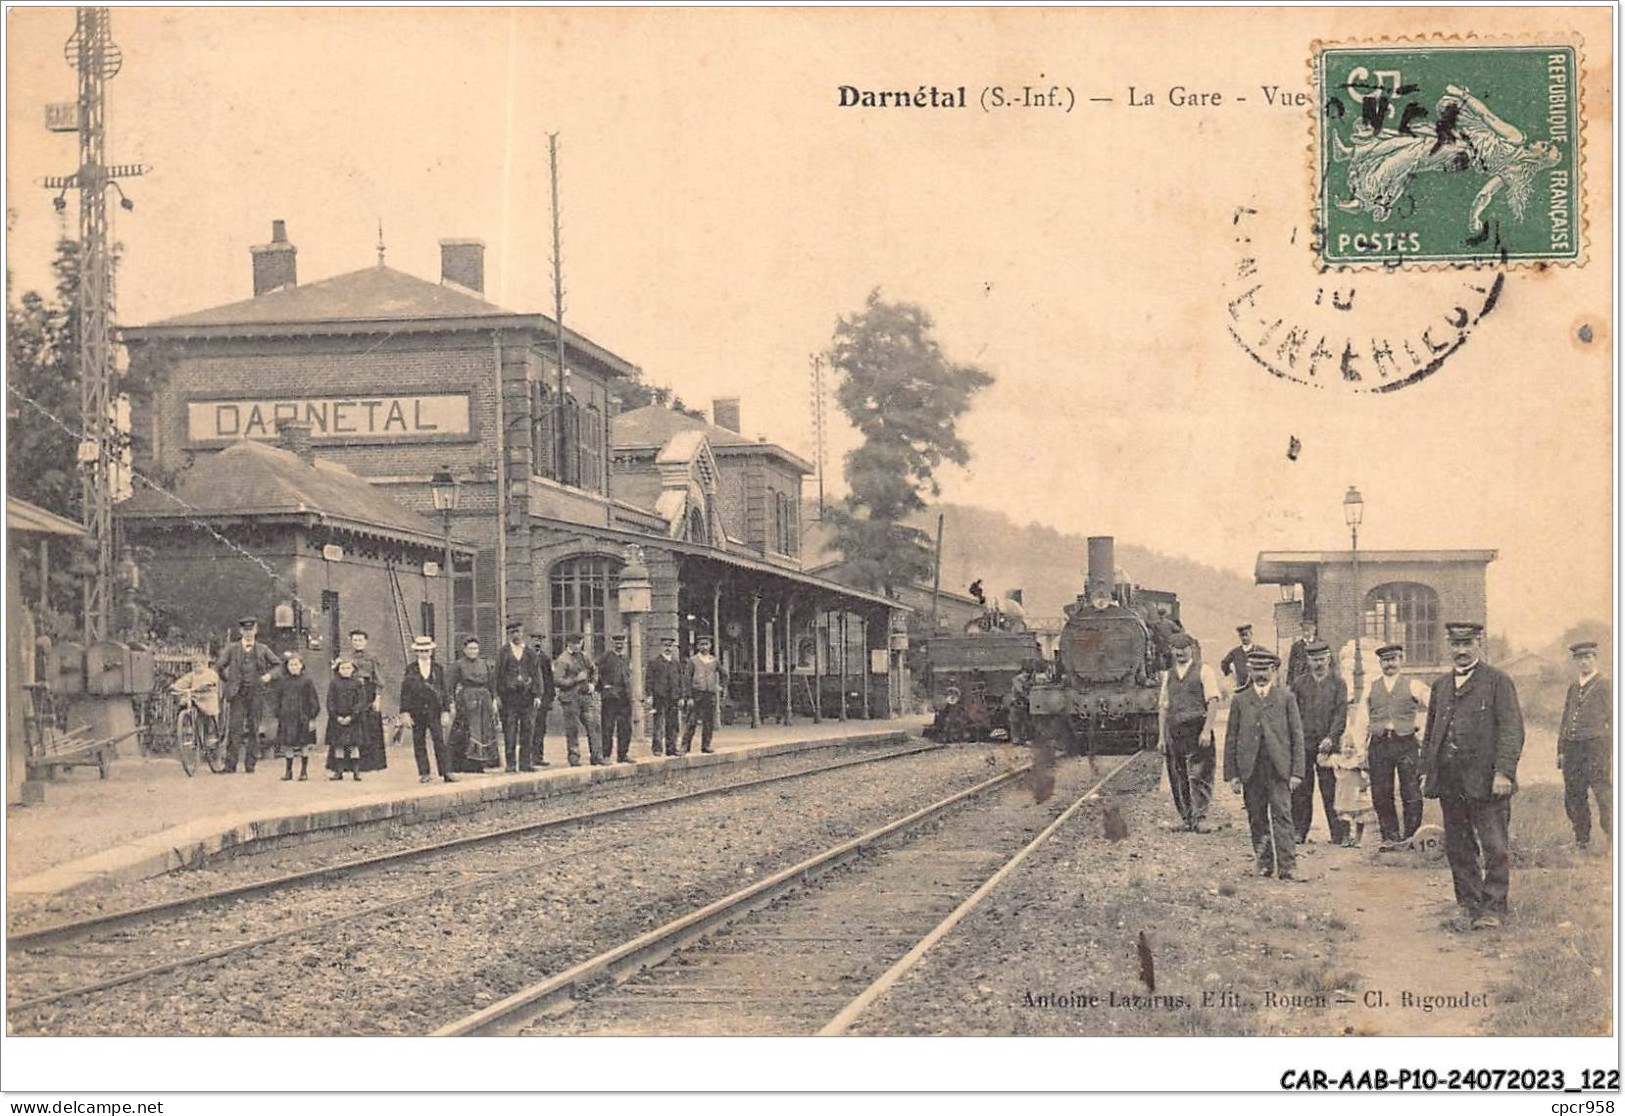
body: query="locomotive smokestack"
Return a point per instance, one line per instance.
(1102, 565)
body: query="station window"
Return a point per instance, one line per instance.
(578, 590)
(1405, 612)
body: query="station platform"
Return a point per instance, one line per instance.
(148, 818)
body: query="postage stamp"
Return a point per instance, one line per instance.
(1447, 153)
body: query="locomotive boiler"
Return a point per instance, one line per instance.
(1101, 693)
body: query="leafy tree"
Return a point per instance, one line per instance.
(905, 397)
(636, 393)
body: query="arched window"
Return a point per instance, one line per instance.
(578, 591)
(544, 425)
(698, 531)
(1405, 612)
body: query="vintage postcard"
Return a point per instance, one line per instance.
(813, 524)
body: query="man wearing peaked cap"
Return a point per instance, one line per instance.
(1470, 753)
(1585, 745)
(1234, 665)
(1323, 702)
(1394, 708)
(665, 685)
(519, 693)
(245, 667)
(1187, 706)
(1264, 762)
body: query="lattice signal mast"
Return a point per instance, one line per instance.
(91, 51)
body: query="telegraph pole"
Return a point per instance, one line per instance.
(91, 51)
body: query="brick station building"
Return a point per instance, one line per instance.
(1398, 596)
(399, 378)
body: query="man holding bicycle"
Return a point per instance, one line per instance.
(200, 686)
(247, 666)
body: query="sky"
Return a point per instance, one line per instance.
(720, 211)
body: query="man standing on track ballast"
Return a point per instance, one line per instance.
(1585, 746)
(1186, 709)
(1323, 706)
(1470, 764)
(1263, 762)
(1394, 705)
(1234, 664)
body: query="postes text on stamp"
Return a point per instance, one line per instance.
(1448, 153)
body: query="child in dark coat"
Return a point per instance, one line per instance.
(348, 698)
(296, 707)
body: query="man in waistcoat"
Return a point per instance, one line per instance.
(1470, 753)
(519, 694)
(1394, 707)
(1187, 706)
(1234, 664)
(1263, 762)
(1585, 745)
(1323, 705)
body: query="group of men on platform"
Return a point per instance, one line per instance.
(594, 698)
(1458, 741)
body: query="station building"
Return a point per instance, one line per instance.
(400, 379)
(1388, 596)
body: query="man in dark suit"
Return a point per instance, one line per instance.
(1585, 745)
(424, 699)
(1323, 706)
(615, 689)
(1264, 762)
(665, 686)
(1297, 657)
(519, 694)
(245, 668)
(1470, 752)
(1234, 664)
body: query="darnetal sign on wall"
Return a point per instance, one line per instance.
(406, 418)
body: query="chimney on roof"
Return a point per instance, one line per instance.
(293, 435)
(274, 263)
(725, 413)
(462, 262)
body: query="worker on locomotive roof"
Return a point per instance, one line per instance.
(1234, 665)
(1186, 708)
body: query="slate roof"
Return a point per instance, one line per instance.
(653, 426)
(252, 479)
(369, 295)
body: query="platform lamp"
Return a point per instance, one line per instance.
(443, 489)
(634, 598)
(1353, 512)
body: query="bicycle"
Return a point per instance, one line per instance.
(193, 741)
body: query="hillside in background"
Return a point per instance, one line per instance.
(1048, 566)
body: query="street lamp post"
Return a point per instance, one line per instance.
(1353, 512)
(443, 488)
(634, 600)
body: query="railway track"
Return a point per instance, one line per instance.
(805, 951)
(118, 948)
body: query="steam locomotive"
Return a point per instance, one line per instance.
(1101, 692)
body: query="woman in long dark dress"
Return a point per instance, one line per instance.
(475, 735)
(296, 706)
(369, 671)
(347, 703)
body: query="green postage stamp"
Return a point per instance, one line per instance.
(1434, 153)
